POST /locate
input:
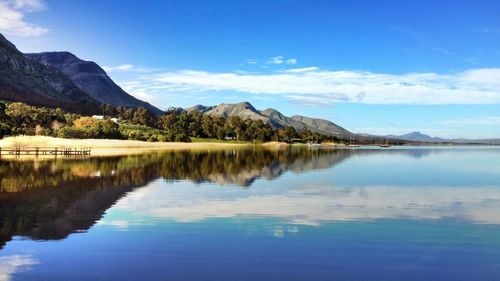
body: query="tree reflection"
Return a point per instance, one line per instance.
(51, 198)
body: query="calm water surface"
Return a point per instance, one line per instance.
(427, 213)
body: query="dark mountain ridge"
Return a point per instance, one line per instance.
(26, 80)
(59, 79)
(92, 79)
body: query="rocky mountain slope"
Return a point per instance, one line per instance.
(92, 79)
(26, 80)
(273, 117)
(321, 126)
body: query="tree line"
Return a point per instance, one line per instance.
(18, 118)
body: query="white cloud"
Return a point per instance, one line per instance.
(28, 5)
(282, 60)
(119, 68)
(475, 86)
(483, 77)
(318, 100)
(138, 90)
(303, 69)
(276, 60)
(12, 20)
(130, 68)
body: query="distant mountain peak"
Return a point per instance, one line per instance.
(245, 105)
(417, 136)
(244, 110)
(271, 112)
(271, 116)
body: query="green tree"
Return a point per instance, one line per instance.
(286, 133)
(143, 116)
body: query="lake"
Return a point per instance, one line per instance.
(404, 213)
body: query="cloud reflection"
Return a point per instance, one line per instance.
(315, 204)
(10, 265)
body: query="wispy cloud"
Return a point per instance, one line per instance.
(138, 90)
(324, 100)
(252, 61)
(276, 60)
(130, 68)
(302, 70)
(315, 101)
(12, 20)
(119, 68)
(475, 86)
(282, 60)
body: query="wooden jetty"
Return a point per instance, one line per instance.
(37, 151)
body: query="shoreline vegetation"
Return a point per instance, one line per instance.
(123, 131)
(139, 124)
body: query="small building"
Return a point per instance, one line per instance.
(98, 117)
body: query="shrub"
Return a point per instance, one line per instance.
(4, 130)
(182, 138)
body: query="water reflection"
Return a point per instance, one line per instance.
(10, 265)
(49, 199)
(318, 203)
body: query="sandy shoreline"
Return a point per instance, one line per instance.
(109, 147)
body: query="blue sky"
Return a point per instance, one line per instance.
(383, 67)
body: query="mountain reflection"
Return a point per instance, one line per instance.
(51, 198)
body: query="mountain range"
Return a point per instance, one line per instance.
(418, 137)
(59, 79)
(273, 117)
(421, 137)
